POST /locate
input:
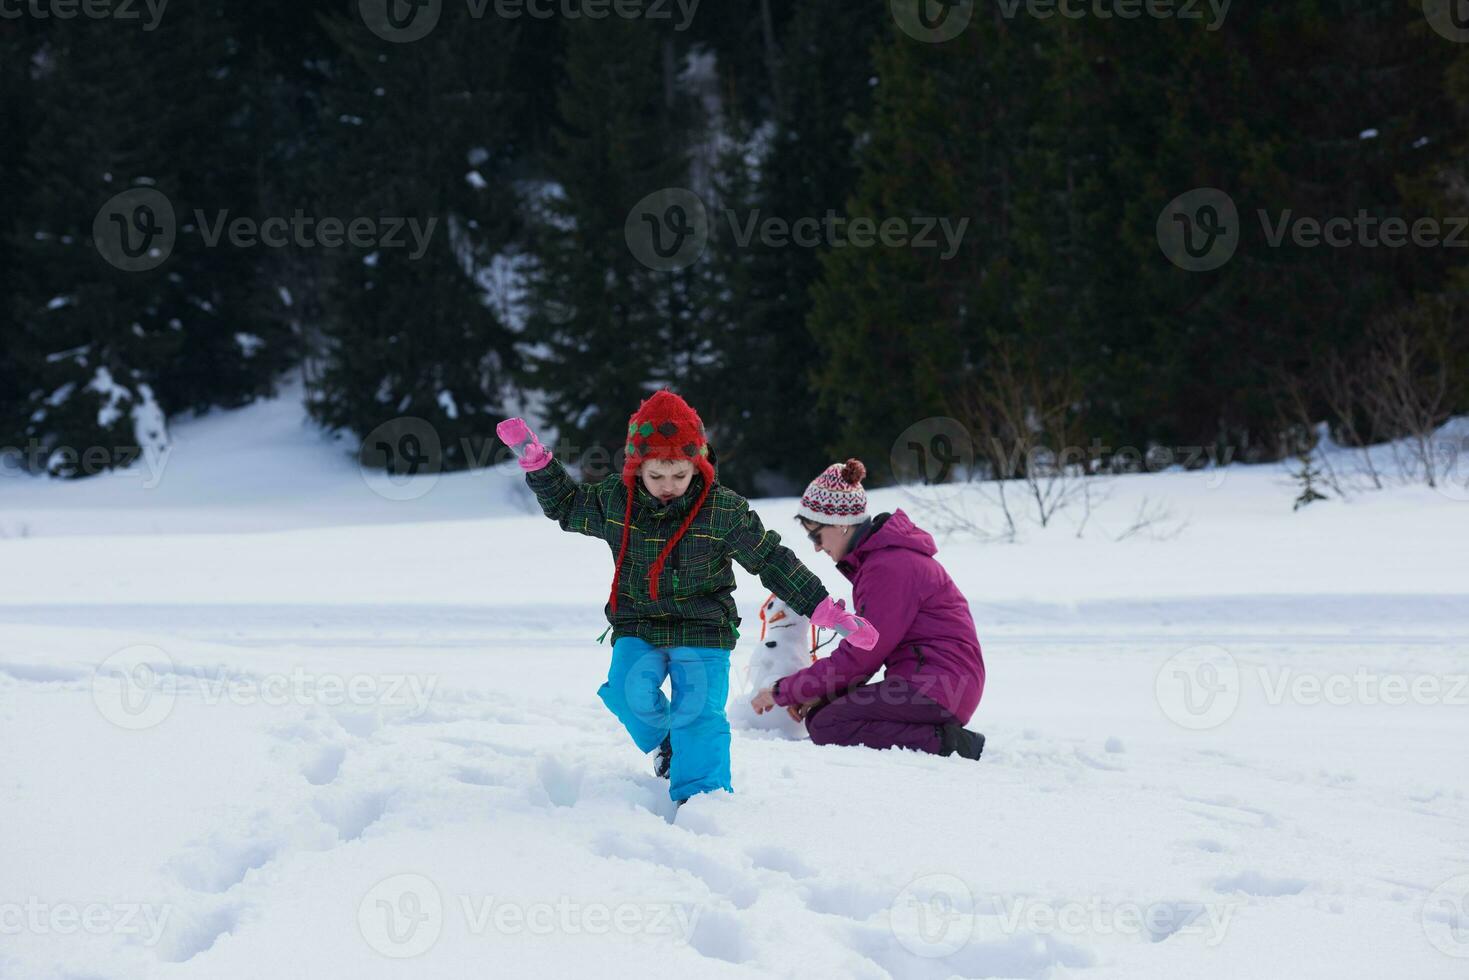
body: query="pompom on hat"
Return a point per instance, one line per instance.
(664, 427)
(836, 496)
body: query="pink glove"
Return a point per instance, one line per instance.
(832, 614)
(513, 432)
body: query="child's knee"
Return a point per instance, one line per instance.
(630, 695)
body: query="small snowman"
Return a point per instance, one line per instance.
(787, 644)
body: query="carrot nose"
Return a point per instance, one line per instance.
(776, 618)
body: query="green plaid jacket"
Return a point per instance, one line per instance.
(695, 605)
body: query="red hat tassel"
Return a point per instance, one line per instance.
(622, 552)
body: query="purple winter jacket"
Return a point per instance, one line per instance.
(926, 633)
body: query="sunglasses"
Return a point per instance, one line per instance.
(815, 534)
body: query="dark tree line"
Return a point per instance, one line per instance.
(527, 143)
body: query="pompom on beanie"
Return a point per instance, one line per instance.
(664, 427)
(836, 496)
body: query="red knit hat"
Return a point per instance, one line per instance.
(664, 427)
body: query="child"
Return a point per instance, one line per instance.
(674, 530)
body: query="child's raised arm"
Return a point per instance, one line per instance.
(578, 507)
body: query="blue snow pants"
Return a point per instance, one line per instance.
(695, 718)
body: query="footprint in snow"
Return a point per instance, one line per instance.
(1255, 883)
(187, 933)
(351, 815)
(737, 885)
(324, 765)
(217, 867)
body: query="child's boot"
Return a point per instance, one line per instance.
(663, 761)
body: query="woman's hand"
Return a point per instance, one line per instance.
(763, 701)
(798, 712)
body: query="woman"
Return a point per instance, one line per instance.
(934, 669)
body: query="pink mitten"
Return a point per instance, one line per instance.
(536, 457)
(832, 614)
(513, 432)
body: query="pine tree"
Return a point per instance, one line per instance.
(903, 330)
(761, 400)
(418, 132)
(1062, 141)
(605, 329)
(18, 45)
(114, 349)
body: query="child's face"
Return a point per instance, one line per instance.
(667, 478)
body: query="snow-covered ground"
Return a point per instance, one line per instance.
(259, 719)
